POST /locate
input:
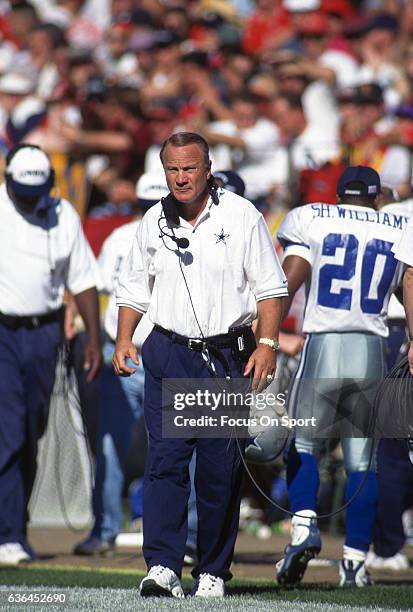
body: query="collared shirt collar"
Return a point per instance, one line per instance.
(206, 212)
(171, 211)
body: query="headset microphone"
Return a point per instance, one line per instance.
(182, 243)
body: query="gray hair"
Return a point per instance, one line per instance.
(182, 139)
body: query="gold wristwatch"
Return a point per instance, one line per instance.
(273, 344)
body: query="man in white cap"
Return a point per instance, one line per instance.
(121, 398)
(44, 252)
(22, 110)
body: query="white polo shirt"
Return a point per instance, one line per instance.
(230, 264)
(114, 251)
(37, 262)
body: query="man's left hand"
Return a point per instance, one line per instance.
(92, 359)
(263, 362)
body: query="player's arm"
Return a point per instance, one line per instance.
(408, 307)
(297, 270)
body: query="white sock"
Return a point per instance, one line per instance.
(300, 525)
(353, 554)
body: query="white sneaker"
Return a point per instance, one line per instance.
(208, 585)
(13, 553)
(396, 563)
(161, 582)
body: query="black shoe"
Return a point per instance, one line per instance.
(291, 568)
(93, 546)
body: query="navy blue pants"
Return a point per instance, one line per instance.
(27, 372)
(395, 482)
(218, 475)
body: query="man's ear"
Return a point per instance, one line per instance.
(209, 169)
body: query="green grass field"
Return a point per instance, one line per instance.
(112, 590)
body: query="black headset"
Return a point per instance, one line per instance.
(172, 217)
(170, 214)
(12, 153)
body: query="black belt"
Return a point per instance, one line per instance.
(14, 321)
(197, 344)
(213, 344)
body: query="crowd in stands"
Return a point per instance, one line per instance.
(285, 91)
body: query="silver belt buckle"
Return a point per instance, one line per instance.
(35, 321)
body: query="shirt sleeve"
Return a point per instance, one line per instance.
(263, 270)
(293, 235)
(108, 261)
(403, 251)
(133, 289)
(83, 271)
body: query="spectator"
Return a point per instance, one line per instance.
(269, 26)
(309, 148)
(41, 44)
(117, 64)
(23, 111)
(253, 139)
(378, 59)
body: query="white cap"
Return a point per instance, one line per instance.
(301, 5)
(13, 83)
(30, 172)
(150, 188)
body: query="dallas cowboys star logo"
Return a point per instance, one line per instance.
(221, 237)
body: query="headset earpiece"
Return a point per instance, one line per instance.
(213, 190)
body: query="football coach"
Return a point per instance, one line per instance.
(204, 267)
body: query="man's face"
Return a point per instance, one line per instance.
(313, 45)
(285, 117)
(370, 113)
(245, 114)
(187, 172)
(26, 204)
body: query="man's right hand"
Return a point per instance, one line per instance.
(123, 350)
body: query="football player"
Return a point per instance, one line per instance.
(343, 255)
